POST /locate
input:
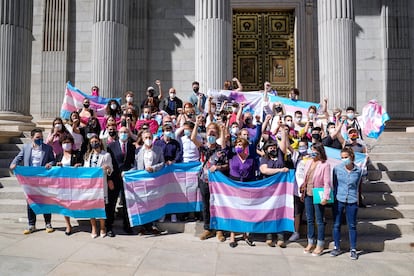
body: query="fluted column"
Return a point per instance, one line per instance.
(109, 46)
(16, 21)
(213, 39)
(337, 52)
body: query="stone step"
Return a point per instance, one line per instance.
(393, 165)
(388, 186)
(386, 198)
(4, 172)
(12, 193)
(393, 176)
(11, 147)
(12, 206)
(391, 156)
(7, 154)
(382, 212)
(389, 148)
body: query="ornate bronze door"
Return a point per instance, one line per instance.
(263, 49)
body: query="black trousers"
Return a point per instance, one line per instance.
(111, 205)
(205, 194)
(31, 216)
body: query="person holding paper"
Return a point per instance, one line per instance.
(346, 178)
(317, 175)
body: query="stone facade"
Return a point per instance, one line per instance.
(162, 44)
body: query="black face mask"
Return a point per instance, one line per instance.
(273, 153)
(95, 145)
(151, 94)
(196, 89)
(86, 105)
(123, 123)
(248, 121)
(316, 136)
(112, 133)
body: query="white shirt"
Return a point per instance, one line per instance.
(190, 150)
(36, 157)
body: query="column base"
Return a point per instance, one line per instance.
(15, 122)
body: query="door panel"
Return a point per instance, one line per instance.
(263, 49)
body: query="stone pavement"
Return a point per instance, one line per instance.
(172, 254)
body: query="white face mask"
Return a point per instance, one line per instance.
(58, 126)
(289, 123)
(234, 109)
(129, 99)
(148, 142)
(172, 95)
(113, 106)
(213, 110)
(234, 130)
(66, 146)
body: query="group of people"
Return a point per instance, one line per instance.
(166, 130)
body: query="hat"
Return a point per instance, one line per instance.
(351, 130)
(150, 88)
(269, 143)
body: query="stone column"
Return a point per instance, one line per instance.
(337, 52)
(213, 40)
(16, 21)
(109, 47)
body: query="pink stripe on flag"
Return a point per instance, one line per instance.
(156, 203)
(160, 182)
(280, 189)
(251, 215)
(69, 204)
(62, 182)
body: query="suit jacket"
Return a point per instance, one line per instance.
(321, 177)
(157, 162)
(25, 155)
(75, 158)
(121, 162)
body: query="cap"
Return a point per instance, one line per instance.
(351, 130)
(150, 88)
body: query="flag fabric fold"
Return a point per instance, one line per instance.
(373, 119)
(69, 191)
(263, 206)
(174, 189)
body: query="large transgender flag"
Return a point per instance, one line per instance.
(149, 196)
(373, 119)
(69, 191)
(264, 206)
(73, 101)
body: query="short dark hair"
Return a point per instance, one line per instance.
(34, 131)
(298, 112)
(295, 91)
(195, 82)
(350, 108)
(317, 129)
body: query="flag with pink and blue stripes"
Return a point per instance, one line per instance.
(263, 206)
(69, 191)
(173, 189)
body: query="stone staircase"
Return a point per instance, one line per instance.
(387, 224)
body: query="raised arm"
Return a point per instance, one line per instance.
(239, 85)
(194, 133)
(158, 83)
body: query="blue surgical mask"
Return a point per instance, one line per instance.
(38, 141)
(346, 161)
(187, 132)
(123, 136)
(169, 134)
(303, 150)
(313, 154)
(211, 139)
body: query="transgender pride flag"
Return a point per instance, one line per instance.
(292, 106)
(73, 101)
(69, 191)
(264, 206)
(149, 196)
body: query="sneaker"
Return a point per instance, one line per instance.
(220, 236)
(335, 252)
(49, 228)
(29, 230)
(206, 234)
(173, 218)
(354, 255)
(281, 244)
(295, 236)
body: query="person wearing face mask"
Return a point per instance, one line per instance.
(86, 112)
(69, 158)
(147, 119)
(171, 104)
(122, 153)
(56, 134)
(315, 135)
(214, 157)
(93, 128)
(317, 175)
(129, 102)
(352, 121)
(346, 179)
(113, 109)
(354, 141)
(187, 114)
(294, 94)
(170, 146)
(35, 154)
(95, 157)
(77, 132)
(271, 163)
(334, 138)
(189, 149)
(197, 99)
(109, 136)
(241, 168)
(300, 158)
(152, 100)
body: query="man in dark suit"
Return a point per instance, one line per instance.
(35, 154)
(123, 156)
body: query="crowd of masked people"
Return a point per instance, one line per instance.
(163, 130)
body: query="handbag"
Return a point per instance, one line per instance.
(318, 194)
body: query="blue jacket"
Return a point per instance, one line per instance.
(346, 183)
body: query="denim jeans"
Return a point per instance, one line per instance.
(351, 210)
(312, 211)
